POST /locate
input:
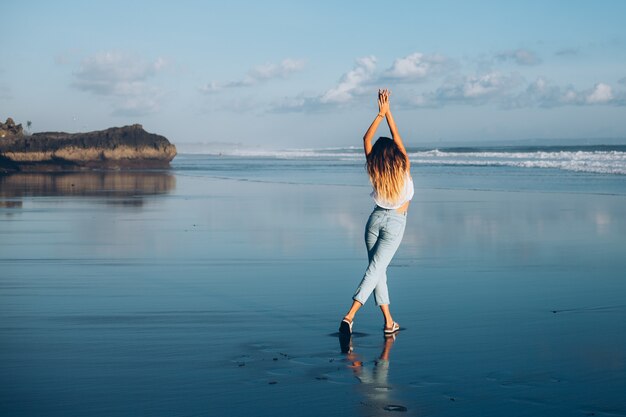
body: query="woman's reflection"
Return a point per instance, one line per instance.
(374, 380)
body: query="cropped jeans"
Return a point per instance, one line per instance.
(383, 234)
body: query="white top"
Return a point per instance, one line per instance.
(405, 195)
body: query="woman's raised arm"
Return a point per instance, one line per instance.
(384, 111)
(383, 108)
(394, 130)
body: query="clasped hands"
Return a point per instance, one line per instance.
(383, 102)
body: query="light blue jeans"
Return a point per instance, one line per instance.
(383, 234)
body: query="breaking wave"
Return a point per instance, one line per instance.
(604, 159)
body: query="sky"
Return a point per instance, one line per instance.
(286, 74)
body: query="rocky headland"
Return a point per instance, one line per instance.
(114, 148)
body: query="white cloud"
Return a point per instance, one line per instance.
(114, 73)
(420, 100)
(210, 88)
(544, 93)
(520, 56)
(352, 82)
(506, 90)
(258, 75)
(417, 66)
(123, 78)
(140, 104)
(362, 79)
(290, 104)
(472, 89)
(489, 84)
(601, 93)
(281, 70)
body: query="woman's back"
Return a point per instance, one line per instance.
(407, 191)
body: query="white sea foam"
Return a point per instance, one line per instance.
(605, 162)
(596, 161)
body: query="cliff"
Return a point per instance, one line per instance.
(114, 148)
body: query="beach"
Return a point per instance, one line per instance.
(216, 288)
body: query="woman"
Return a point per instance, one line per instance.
(388, 167)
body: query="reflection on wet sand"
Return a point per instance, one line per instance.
(374, 381)
(86, 184)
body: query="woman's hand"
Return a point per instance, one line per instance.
(383, 102)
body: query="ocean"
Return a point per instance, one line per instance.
(216, 287)
(592, 168)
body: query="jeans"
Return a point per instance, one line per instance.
(383, 234)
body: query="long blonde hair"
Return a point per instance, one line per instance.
(387, 167)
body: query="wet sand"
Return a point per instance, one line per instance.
(180, 295)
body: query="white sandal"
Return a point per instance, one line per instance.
(345, 327)
(394, 328)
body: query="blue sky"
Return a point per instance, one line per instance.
(289, 74)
